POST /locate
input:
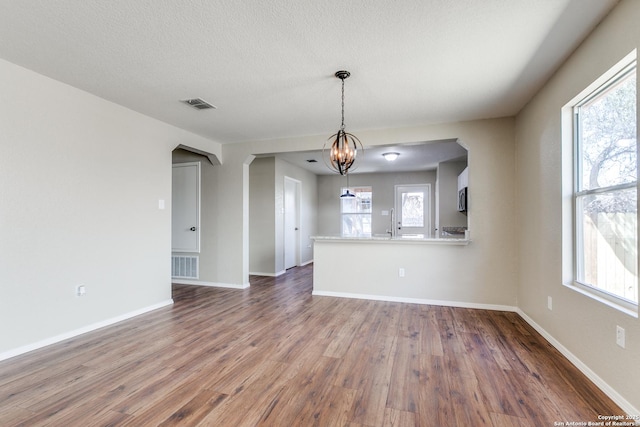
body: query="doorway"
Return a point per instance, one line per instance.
(291, 222)
(413, 210)
(185, 207)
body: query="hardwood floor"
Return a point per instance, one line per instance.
(275, 355)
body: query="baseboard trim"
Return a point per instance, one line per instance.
(211, 284)
(306, 263)
(416, 301)
(76, 332)
(599, 382)
(258, 273)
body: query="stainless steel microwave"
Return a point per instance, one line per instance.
(462, 199)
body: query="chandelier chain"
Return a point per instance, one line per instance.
(342, 125)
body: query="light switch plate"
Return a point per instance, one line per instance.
(620, 336)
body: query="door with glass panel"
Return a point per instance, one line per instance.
(413, 211)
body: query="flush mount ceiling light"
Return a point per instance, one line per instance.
(390, 157)
(344, 148)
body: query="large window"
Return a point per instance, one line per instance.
(356, 212)
(606, 194)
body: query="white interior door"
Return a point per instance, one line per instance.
(291, 223)
(185, 207)
(413, 207)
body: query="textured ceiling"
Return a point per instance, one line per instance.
(412, 157)
(268, 65)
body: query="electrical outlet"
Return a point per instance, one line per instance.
(80, 290)
(620, 336)
(550, 303)
(401, 272)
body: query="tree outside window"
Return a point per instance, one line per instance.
(606, 190)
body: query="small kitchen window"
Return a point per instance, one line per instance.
(356, 212)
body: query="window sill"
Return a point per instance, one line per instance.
(626, 308)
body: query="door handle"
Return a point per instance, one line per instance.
(192, 229)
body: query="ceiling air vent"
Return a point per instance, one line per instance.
(198, 103)
(312, 161)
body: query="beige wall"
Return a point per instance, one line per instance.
(448, 194)
(480, 274)
(262, 216)
(491, 258)
(75, 210)
(266, 219)
(209, 205)
(585, 327)
(308, 220)
(81, 213)
(383, 186)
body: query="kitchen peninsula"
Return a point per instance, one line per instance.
(414, 270)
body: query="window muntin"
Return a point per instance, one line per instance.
(605, 198)
(356, 212)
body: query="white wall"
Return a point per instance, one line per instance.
(586, 328)
(75, 210)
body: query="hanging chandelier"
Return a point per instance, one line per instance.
(344, 147)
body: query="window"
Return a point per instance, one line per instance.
(412, 209)
(605, 196)
(356, 212)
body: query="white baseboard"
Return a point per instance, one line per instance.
(599, 382)
(258, 273)
(55, 339)
(278, 273)
(416, 301)
(212, 284)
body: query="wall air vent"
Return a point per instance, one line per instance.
(184, 267)
(198, 103)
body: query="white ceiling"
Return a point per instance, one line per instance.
(269, 65)
(412, 157)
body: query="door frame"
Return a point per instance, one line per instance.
(296, 247)
(198, 205)
(427, 206)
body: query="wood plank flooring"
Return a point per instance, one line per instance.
(273, 355)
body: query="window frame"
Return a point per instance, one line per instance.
(616, 74)
(354, 190)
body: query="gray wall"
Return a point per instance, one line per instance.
(262, 216)
(208, 212)
(308, 211)
(383, 187)
(266, 214)
(448, 194)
